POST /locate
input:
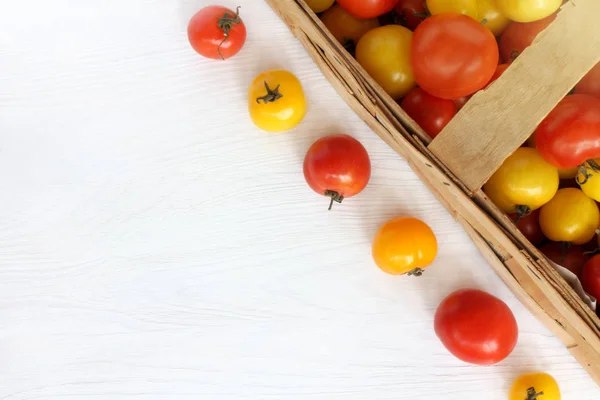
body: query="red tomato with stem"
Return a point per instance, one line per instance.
(571, 257)
(570, 134)
(452, 55)
(590, 83)
(217, 32)
(590, 277)
(476, 327)
(430, 112)
(413, 12)
(529, 226)
(518, 36)
(337, 166)
(368, 8)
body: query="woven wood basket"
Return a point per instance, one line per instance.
(494, 123)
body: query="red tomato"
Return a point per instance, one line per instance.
(499, 71)
(570, 134)
(337, 166)
(571, 257)
(517, 36)
(461, 101)
(476, 327)
(453, 55)
(590, 277)
(217, 32)
(529, 226)
(430, 112)
(413, 12)
(590, 84)
(368, 8)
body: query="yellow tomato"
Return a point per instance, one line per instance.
(528, 10)
(384, 53)
(567, 173)
(276, 101)
(404, 245)
(527, 386)
(524, 180)
(319, 6)
(466, 7)
(588, 179)
(491, 17)
(345, 27)
(570, 216)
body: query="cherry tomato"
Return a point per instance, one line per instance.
(524, 182)
(338, 167)
(568, 136)
(453, 55)
(430, 112)
(590, 277)
(465, 7)
(404, 245)
(476, 327)
(567, 173)
(217, 32)
(499, 71)
(318, 6)
(570, 257)
(588, 178)
(276, 101)
(539, 385)
(590, 83)
(528, 10)
(384, 53)
(345, 27)
(368, 8)
(529, 225)
(461, 101)
(570, 216)
(518, 36)
(489, 15)
(412, 11)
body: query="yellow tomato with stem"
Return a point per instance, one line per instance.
(384, 53)
(528, 10)
(466, 7)
(345, 27)
(404, 245)
(534, 386)
(571, 216)
(523, 183)
(276, 101)
(318, 6)
(489, 15)
(588, 178)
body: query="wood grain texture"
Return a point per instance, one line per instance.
(496, 121)
(155, 245)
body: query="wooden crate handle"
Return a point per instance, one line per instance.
(497, 121)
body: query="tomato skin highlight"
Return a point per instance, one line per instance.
(570, 134)
(206, 36)
(590, 83)
(368, 8)
(337, 166)
(528, 10)
(453, 55)
(518, 36)
(430, 112)
(590, 277)
(476, 327)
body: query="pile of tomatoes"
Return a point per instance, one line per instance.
(431, 56)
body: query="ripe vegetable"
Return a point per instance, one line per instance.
(404, 245)
(524, 182)
(570, 216)
(338, 167)
(430, 112)
(368, 8)
(567, 173)
(518, 36)
(529, 225)
(276, 101)
(461, 101)
(499, 71)
(535, 386)
(528, 10)
(453, 55)
(318, 6)
(217, 32)
(384, 53)
(568, 136)
(588, 178)
(489, 15)
(413, 12)
(465, 7)
(590, 83)
(345, 27)
(590, 277)
(476, 327)
(571, 257)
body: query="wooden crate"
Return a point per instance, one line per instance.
(494, 122)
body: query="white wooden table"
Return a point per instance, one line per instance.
(155, 245)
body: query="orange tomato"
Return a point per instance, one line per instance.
(404, 245)
(345, 27)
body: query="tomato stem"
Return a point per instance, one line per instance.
(335, 196)
(594, 165)
(415, 272)
(271, 96)
(522, 211)
(583, 171)
(226, 22)
(532, 394)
